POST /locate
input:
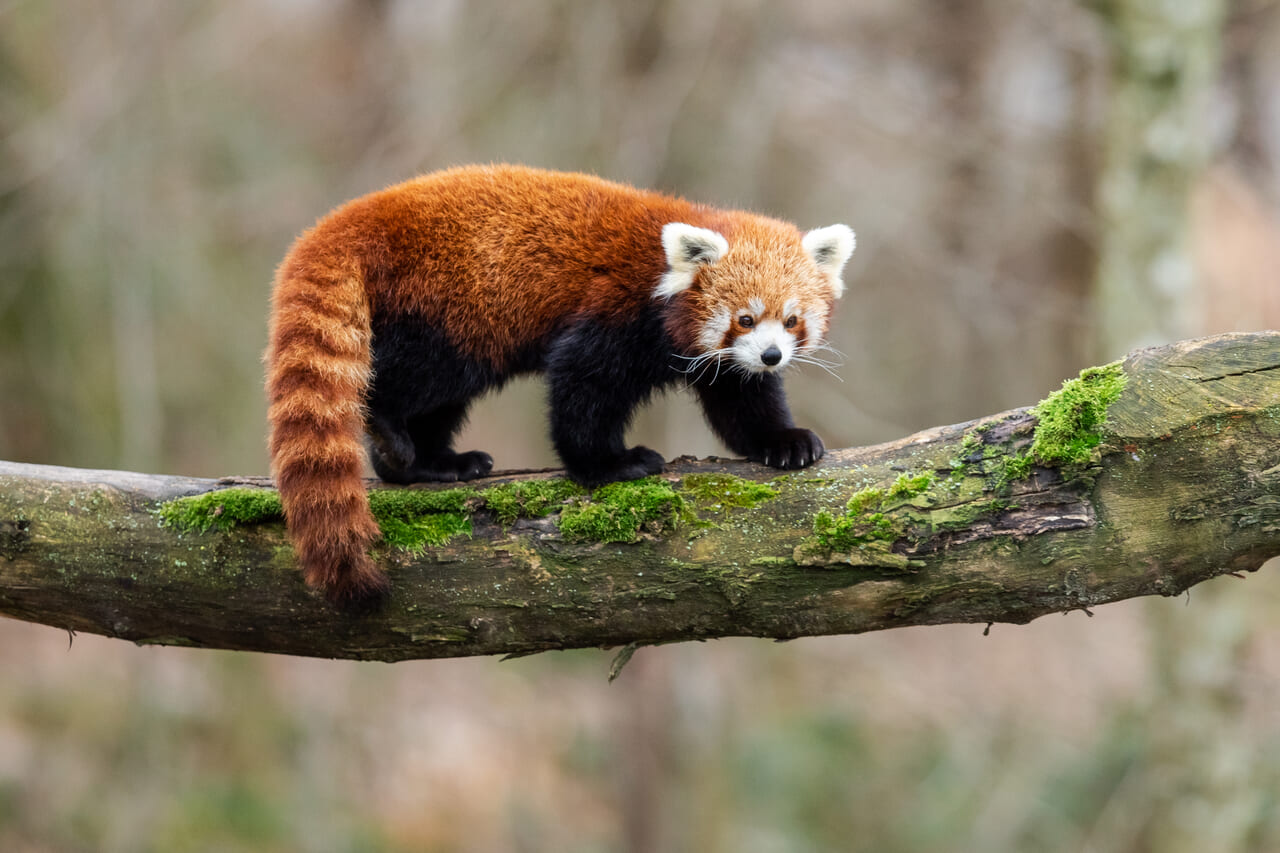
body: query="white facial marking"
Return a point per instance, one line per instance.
(830, 248)
(687, 248)
(813, 322)
(749, 349)
(713, 331)
(790, 307)
(755, 306)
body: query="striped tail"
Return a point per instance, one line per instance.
(318, 373)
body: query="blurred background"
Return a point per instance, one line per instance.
(1037, 186)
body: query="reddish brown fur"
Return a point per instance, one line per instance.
(494, 256)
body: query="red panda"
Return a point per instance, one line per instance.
(397, 309)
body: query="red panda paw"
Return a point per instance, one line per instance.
(634, 463)
(450, 467)
(790, 448)
(641, 462)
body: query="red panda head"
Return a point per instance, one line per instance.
(758, 298)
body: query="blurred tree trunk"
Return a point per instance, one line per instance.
(1195, 793)
(1164, 67)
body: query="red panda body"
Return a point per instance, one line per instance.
(398, 308)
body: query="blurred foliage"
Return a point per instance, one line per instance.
(155, 161)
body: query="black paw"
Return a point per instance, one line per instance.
(450, 467)
(389, 471)
(445, 468)
(634, 463)
(789, 448)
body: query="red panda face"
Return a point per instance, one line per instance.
(759, 340)
(759, 300)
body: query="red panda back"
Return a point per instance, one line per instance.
(498, 255)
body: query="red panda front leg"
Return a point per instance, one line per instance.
(588, 428)
(597, 376)
(750, 415)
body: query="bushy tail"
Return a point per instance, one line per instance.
(318, 372)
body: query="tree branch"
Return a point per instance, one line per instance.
(991, 521)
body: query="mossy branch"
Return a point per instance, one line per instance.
(1138, 478)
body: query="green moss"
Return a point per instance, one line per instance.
(404, 504)
(972, 441)
(413, 519)
(876, 517)
(864, 520)
(852, 530)
(528, 498)
(969, 451)
(1012, 468)
(1070, 419)
(908, 486)
(963, 516)
(619, 511)
(880, 526)
(408, 518)
(864, 498)
(222, 509)
(430, 529)
(1068, 431)
(713, 491)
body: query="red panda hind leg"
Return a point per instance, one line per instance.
(422, 387)
(417, 450)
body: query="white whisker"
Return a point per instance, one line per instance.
(700, 364)
(716, 375)
(827, 347)
(816, 360)
(825, 365)
(705, 366)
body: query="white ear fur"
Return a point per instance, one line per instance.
(688, 247)
(830, 248)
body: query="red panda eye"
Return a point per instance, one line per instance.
(791, 322)
(746, 321)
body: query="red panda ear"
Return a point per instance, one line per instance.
(830, 248)
(688, 247)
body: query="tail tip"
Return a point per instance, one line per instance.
(360, 596)
(352, 582)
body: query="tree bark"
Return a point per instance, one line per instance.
(1184, 486)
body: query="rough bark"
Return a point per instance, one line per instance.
(1185, 485)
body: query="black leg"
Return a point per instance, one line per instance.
(434, 457)
(595, 383)
(390, 448)
(421, 449)
(421, 389)
(750, 415)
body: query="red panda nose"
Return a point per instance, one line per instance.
(771, 356)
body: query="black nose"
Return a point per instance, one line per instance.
(771, 356)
